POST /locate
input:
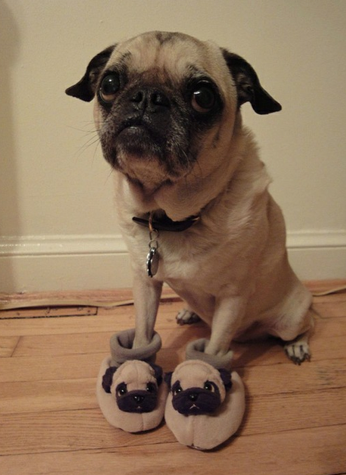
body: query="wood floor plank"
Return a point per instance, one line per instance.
(288, 378)
(49, 345)
(115, 319)
(86, 429)
(56, 369)
(317, 451)
(81, 366)
(285, 412)
(120, 319)
(46, 394)
(330, 309)
(79, 355)
(8, 345)
(48, 312)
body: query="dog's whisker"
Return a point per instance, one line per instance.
(91, 124)
(92, 141)
(109, 175)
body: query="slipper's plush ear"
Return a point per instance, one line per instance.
(158, 372)
(168, 379)
(108, 378)
(248, 86)
(226, 378)
(85, 88)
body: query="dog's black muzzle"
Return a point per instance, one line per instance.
(147, 110)
(151, 100)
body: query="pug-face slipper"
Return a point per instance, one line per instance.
(205, 406)
(132, 396)
(129, 388)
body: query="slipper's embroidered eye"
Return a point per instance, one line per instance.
(203, 97)
(151, 388)
(121, 389)
(208, 386)
(176, 389)
(109, 87)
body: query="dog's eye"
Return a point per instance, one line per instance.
(208, 386)
(151, 388)
(109, 87)
(203, 97)
(122, 389)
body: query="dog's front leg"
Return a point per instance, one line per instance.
(228, 316)
(146, 293)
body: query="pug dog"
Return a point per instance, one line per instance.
(191, 192)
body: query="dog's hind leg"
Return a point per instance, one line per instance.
(187, 317)
(298, 350)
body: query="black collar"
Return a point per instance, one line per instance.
(164, 223)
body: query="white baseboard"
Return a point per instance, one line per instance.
(47, 263)
(44, 263)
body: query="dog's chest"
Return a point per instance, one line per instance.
(191, 259)
(176, 255)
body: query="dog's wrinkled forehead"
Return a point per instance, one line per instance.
(168, 56)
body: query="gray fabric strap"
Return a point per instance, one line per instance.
(195, 351)
(121, 348)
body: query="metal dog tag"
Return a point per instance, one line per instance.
(153, 259)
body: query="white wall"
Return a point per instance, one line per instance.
(56, 209)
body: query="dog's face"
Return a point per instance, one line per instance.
(198, 389)
(166, 105)
(134, 385)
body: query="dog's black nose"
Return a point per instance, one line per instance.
(150, 99)
(193, 396)
(138, 399)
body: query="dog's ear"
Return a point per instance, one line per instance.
(108, 378)
(168, 379)
(226, 378)
(85, 88)
(248, 86)
(158, 373)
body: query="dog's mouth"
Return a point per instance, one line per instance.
(134, 123)
(137, 150)
(137, 139)
(148, 152)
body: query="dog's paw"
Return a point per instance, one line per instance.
(298, 351)
(187, 317)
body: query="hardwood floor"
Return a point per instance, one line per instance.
(295, 421)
